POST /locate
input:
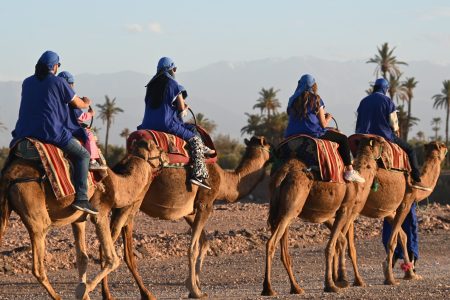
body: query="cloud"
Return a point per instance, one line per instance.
(435, 13)
(155, 27)
(134, 28)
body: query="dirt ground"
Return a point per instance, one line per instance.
(234, 266)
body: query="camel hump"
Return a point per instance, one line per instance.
(317, 154)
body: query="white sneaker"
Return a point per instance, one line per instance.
(353, 176)
(208, 151)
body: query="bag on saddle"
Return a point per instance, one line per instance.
(321, 156)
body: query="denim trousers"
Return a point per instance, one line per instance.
(79, 157)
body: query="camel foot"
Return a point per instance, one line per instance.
(390, 282)
(412, 276)
(197, 296)
(342, 283)
(359, 282)
(296, 290)
(81, 291)
(268, 292)
(331, 289)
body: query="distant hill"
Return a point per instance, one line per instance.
(224, 91)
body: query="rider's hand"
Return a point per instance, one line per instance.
(397, 133)
(86, 100)
(328, 116)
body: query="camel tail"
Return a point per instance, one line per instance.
(5, 210)
(274, 205)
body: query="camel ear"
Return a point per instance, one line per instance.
(371, 143)
(262, 141)
(246, 141)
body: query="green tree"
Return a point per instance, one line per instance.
(125, 133)
(436, 123)
(420, 136)
(442, 100)
(229, 151)
(204, 122)
(268, 101)
(386, 62)
(108, 110)
(408, 86)
(115, 154)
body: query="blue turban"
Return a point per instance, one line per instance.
(49, 58)
(305, 83)
(67, 76)
(381, 85)
(165, 64)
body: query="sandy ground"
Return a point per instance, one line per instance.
(235, 264)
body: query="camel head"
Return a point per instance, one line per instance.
(436, 149)
(151, 153)
(258, 144)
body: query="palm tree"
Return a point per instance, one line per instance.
(3, 127)
(107, 112)
(268, 101)
(436, 123)
(420, 135)
(442, 100)
(205, 123)
(253, 124)
(125, 133)
(408, 86)
(386, 62)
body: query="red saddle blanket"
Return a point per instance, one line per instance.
(315, 152)
(173, 145)
(56, 166)
(392, 156)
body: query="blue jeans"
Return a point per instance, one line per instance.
(411, 227)
(79, 157)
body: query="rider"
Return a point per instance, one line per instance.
(164, 108)
(80, 117)
(377, 115)
(307, 116)
(43, 115)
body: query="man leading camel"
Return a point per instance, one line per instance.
(377, 115)
(44, 115)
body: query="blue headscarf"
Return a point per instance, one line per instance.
(381, 85)
(67, 76)
(165, 64)
(49, 58)
(305, 83)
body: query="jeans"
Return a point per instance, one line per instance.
(79, 157)
(410, 227)
(415, 173)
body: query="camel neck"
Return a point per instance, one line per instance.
(430, 173)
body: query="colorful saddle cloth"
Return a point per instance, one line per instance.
(315, 153)
(56, 166)
(392, 157)
(175, 147)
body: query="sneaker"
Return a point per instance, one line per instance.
(200, 182)
(84, 205)
(420, 186)
(208, 151)
(94, 166)
(353, 176)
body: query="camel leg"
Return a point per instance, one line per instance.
(400, 216)
(130, 260)
(339, 268)
(204, 246)
(330, 250)
(352, 253)
(202, 214)
(409, 274)
(79, 233)
(110, 259)
(287, 262)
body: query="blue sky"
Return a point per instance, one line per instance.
(110, 36)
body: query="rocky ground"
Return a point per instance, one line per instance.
(235, 263)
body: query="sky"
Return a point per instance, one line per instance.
(111, 36)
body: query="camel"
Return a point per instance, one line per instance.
(393, 201)
(34, 201)
(296, 193)
(195, 205)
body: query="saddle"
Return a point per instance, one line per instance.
(56, 166)
(393, 158)
(319, 155)
(175, 147)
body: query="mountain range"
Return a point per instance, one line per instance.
(225, 91)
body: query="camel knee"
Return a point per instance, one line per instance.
(39, 274)
(83, 259)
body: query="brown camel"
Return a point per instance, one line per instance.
(185, 200)
(39, 210)
(393, 201)
(295, 193)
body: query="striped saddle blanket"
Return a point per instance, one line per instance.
(316, 154)
(392, 157)
(57, 168)
(175, 147)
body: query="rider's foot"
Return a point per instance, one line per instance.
(353, 175)
(94, 166)
(208, 151)
(200, 182)
(84, 205)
